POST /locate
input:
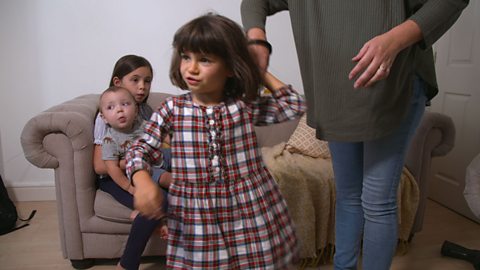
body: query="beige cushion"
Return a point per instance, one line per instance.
(303, 141)
(107, 208)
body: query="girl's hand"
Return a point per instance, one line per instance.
(259, 52)
(261, 55)
(148, 199)
(165, 180)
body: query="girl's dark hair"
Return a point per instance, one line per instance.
(220, 36)
(127, 64)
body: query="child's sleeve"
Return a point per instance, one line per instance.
(146, 151)
(99, 130)
(281, 105)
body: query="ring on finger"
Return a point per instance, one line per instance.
(383, 68)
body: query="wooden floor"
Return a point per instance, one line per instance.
(37, 246)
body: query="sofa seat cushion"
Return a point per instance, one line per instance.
(107, 208)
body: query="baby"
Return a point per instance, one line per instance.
(119, 110)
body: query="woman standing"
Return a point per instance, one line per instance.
(367, 72)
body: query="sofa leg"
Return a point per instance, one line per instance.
(82, 264)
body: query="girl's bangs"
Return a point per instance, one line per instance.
(201, 41)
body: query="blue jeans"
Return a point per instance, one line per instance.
(367, 176)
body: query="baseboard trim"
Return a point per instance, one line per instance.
(27, 194)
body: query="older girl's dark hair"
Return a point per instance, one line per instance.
(220, 36)
(127, 64)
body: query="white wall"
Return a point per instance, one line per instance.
(54, 50)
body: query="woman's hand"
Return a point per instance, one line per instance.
(376, 57)
(374, 60)
(148, 199)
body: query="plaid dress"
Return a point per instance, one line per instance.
(225, 210)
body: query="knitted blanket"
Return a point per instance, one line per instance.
(308, 187)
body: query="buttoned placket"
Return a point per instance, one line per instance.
(215, 156)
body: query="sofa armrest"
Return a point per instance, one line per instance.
(435, 136)
(61, 138)
(73, 118)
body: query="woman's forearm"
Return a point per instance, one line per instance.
(406, 34)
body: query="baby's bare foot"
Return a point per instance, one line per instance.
(119, 267)
(162, 230)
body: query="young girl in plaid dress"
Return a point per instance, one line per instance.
(225, 210)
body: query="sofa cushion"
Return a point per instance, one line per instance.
(303, 141)
(107, 208)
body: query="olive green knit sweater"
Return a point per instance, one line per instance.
(329, 33)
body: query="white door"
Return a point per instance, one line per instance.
(458, 73)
